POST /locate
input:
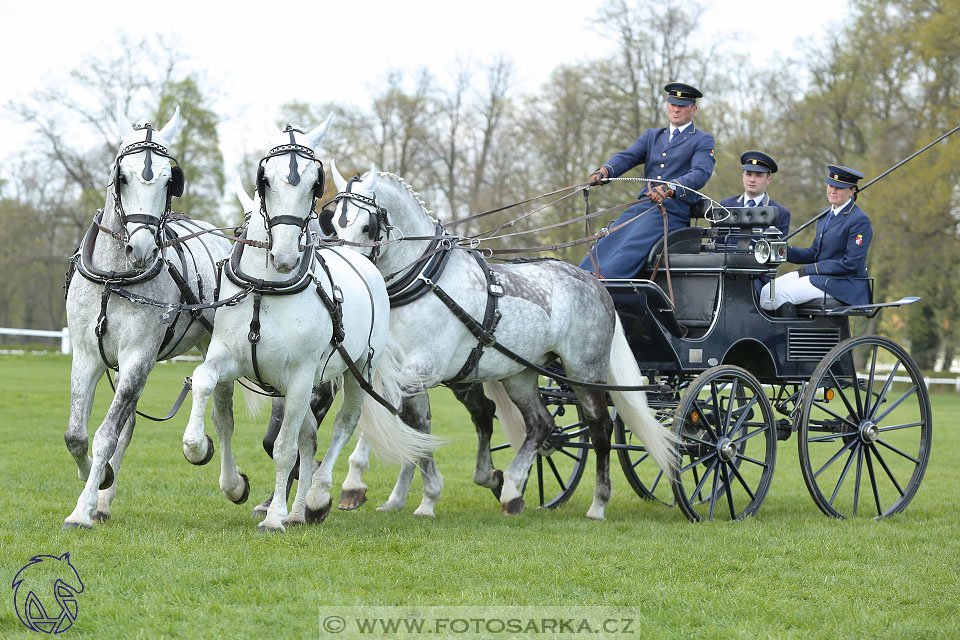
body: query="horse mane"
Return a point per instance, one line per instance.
(415, 194)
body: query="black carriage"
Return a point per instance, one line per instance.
(731, 379)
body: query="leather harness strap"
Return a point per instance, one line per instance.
(483, 331)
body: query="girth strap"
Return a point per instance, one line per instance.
(491, 317)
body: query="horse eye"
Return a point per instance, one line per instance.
(123, 179)
(366, 228)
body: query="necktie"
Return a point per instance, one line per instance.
(673, 134)
(751, 203)
(829, 219)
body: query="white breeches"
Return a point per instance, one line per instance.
(789, 287)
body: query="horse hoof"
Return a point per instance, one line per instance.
(207, 458)
(513, 508)
(351, 499)
(260, 510)
(100, 516)
(498, 476)
(73, 525)
(246, 489)
(268, 529)
(108, 477)
(316, 516)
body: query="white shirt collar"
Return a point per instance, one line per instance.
(759, 199)
(840, 208)
(679, 129)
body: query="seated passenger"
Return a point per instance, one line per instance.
(837, 256)
(680, 154)
(758, 170)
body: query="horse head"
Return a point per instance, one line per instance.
(357, 217)
(289, 181)
(145, 178)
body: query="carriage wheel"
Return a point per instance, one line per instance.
(559, 465)
(647, 479)
(728, 445)
(864, 445)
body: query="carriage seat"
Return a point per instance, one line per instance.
(819, 306)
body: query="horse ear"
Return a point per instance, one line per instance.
(315, 136)
(371, 181)
(337, 178)
(245, 201)
(170, 129)
(123, 125)
(272, 129)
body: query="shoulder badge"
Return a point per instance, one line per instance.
(711, 152)
(859, 239)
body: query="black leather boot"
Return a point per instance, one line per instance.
(786, 310)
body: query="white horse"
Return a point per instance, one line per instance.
(549, 309)
(131, 263)
(308, 317)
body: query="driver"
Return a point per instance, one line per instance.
(837, 256)
(679, 153)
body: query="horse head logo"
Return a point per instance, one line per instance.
(45, 593)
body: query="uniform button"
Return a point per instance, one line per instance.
(661, 166)
(664, 154)
(659, 177)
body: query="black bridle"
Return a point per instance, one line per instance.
(293, 178)
(150, 222)
(377, 218)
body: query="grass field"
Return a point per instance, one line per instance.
(177, 560)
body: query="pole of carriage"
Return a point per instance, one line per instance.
(861, 189)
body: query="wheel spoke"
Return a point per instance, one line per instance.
(703, 416)
(733, 397)
(746, 437)
(896, 450)
(886, 387)
(827, 409)
(873, 372)
(556, 474)
(873, 480)
(908, 392)
(743, 482)
(568, 454)
(842, 395)
(753, 460)
(883, 464)
(743, 416)
(540, 477)
(729, 490)
(703, 480)
(834, 458)
(713, 494)
(832, 437)
(843, 475)
(641, 459)
(856, 487)
(696, 462)
(687, 438)
(500, 447)
(656, 481)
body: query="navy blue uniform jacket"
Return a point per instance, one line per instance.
(838, 255)
(687, 161)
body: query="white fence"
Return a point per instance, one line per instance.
(63, 334)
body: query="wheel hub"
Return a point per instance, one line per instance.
(726, 449)
(869, 432)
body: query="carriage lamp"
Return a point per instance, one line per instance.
(762, 251)
(770, 251)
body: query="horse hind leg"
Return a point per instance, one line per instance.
(596, 413)
(522, 389)
(482, 411)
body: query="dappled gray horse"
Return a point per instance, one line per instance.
(542, 310)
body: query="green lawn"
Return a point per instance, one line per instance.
(178, 560)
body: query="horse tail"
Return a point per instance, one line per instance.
(511, 420)
(388, 436)
(632, 406)
(254, 401)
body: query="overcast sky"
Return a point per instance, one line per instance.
(262, 54)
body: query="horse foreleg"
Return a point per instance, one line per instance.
(129, 386)
(306, 450)
(197, 446)
(105, 496)
(353, 491)
(233, 483)
(285, 449)
(85, 372)
(318, 498)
